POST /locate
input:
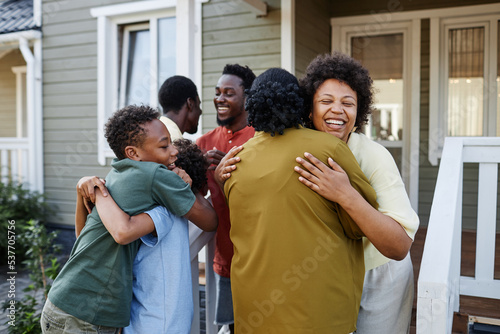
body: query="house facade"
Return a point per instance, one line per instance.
(435, 64)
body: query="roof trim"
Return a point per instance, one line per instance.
(14, 36)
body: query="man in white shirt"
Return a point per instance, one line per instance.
(179, 99)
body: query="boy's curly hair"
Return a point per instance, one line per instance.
(345, 69)
(191, 159)
(243, 72)
(275, 102)
(126, 127)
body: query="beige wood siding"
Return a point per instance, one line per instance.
(232, 34)
(312, 32)
(69, 101)
(8, 92)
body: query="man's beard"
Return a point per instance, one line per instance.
(225, 122)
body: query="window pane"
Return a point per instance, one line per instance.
(138, 76)
(166, 49)
(383, 57)
(465, 81)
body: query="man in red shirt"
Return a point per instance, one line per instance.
(233, 130)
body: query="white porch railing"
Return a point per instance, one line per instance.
(439, 282)
(14, 161)
(197, 240)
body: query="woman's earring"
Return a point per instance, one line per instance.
(354, 129)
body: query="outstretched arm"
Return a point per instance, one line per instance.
(387, 235)
(202, 214)
(122, 227)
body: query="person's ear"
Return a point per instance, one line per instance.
(189, 104)
(132, 153)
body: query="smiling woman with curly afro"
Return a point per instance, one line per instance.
(340, 99)
(344, 69)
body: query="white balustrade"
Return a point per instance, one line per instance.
(440, 284)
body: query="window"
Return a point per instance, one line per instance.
(464, 91)
(138, 46)
(465, 81)
(140, 75)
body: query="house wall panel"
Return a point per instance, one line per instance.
(242, 20)
(84, 50)
(263, 47)
(76, 27)
(70, 98)
(58, 41)
(70, 75)
(312, 32)
(70, 101)
(74, 112)
(219, 37)
(234, 34)
(82, 62)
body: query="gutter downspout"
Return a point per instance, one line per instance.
(35, 139)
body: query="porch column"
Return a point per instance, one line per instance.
(33, 91)
(288, 35)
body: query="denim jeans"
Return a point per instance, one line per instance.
(56, 321)
(224, 302)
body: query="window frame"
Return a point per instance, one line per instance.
(109, 20)
(438, 76)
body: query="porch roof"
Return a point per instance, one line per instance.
(16, 15)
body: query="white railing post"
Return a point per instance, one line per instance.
(440, 284)
(197, 240)
(210, 292)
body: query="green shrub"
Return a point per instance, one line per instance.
(20, 205)
(43, 267)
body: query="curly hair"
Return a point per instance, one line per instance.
(175, 91)
(275, 102)
(345, 69)
(243, 72)
(126, 128)
(191, 159)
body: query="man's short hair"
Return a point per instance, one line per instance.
(243, 72)
(174, 93)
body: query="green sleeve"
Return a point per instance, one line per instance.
(170, 191)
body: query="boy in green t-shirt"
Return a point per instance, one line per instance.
(93, 292)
